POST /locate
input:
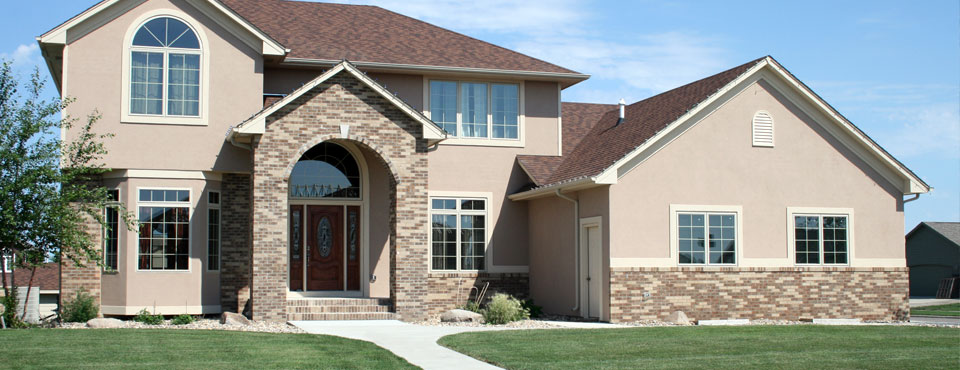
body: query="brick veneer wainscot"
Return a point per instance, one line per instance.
(375, 124)
(759, 293)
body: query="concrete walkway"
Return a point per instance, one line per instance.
(415, 343)
(923, 302)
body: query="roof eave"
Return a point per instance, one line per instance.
(552, 189)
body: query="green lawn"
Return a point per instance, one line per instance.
(795, 347)
(187, 349)
(952, 309)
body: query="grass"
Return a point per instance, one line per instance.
(187, 349)
(798, 347)
(952, 309)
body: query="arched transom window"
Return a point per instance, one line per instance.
(165, 69)
(327, 170)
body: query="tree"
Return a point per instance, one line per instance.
(50, 186)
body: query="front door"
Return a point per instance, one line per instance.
(324, 262)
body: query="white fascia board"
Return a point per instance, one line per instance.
(257, 124)
(610, 174)
(583, 183)
(429, 68)
(58, 35)
(914, 185)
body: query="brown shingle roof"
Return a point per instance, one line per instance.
(363, 33)
(608, 142)
(578, 119)
(47, 277)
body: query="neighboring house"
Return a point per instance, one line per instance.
(933, 254)
(281, 152)
(45, 287)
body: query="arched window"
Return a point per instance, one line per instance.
(165, 69)
(326, 171)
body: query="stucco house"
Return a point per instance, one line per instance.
(933, 254)
(301, 160)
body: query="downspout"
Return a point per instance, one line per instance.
(576, 245)
(915, 196)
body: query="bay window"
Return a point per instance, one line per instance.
(164, 240)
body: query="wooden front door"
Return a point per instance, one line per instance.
(325, 248)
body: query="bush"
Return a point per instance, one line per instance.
(534, 310)
(82, 308)
(146, 317)
(182, 320)
(472, 306)
(503, 309)
(10, 304)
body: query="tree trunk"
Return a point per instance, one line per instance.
(26, 298)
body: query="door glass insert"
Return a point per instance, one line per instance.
(324, 239)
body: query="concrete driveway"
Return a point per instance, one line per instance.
(940, 320)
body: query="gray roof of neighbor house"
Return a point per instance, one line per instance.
(949, 230)
(364, 33)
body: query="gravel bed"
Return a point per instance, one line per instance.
(202, 324)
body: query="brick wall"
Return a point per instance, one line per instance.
(235, 243)
(759, 293)
(73, 277)
(452, 290)
(375, 124)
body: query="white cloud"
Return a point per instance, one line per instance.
(26, 55)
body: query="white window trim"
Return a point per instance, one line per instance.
(128, 48)
(103, 240)
(676, 209)
(481, 141)
(11, 258)
(190, 207)
(488, 231)
(212, 206)
(819, 211)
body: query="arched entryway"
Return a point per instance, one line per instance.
(329, 202)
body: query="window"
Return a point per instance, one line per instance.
(213, 231)
(821, 239)
(165, 69)
(164, 241)
(707, 238)
(111, 232)
(7, 262)
(476, 109)
(325, 171)
(458, 236)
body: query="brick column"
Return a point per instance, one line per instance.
(235, 244)
(73, 278)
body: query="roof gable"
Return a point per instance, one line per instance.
(948, 230)
(610, 150)
(256, 124)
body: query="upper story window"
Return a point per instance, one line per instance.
(165, 69)
(476, 109)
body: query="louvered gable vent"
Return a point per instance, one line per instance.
(762, 129)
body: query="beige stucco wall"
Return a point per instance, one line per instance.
(93, 66)
(379, 233)
(551, 243)
(714, 163)
(168, 291)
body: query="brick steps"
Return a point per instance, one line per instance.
(339, 309)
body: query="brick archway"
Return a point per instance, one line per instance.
(375, 124)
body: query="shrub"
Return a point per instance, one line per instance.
(503, 309)
(82, 308)
(534, 310)
(146, 317)
(10, 304)
(182, 320)
(472, 306)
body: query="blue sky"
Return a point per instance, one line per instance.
(891, 67)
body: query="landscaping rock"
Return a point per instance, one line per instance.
(678, 318)
(461, 316)
(104, 323)
(232, 318)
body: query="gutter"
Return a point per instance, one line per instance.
(576, 246)
(915, 197)
(419, 67)
(232, 138)
(582, 183)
